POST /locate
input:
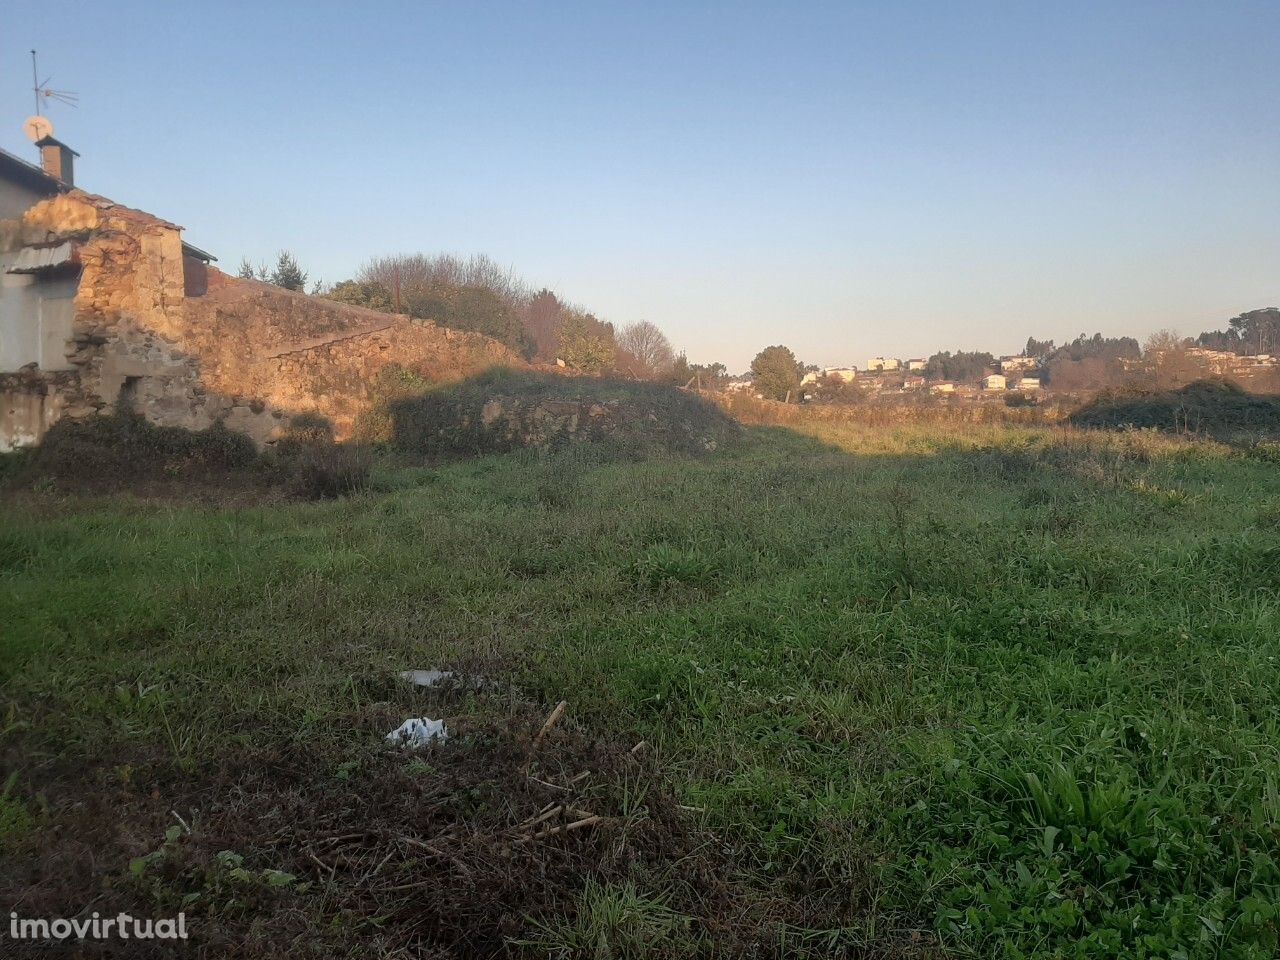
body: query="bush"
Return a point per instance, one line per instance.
(107, 450)
(312, 466)
(124, 450)
(501, 411)
(326, 473)
(1215, 406)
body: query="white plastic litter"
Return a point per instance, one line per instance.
(426, 678)
(417, 732)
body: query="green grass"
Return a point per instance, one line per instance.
(1015, 689)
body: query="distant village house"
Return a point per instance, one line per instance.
(1015, 364)
(883, 364)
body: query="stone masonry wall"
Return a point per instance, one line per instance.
(287, 352)
(248, 353)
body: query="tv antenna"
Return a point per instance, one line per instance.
(44, 93)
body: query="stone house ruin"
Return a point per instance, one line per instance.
(105, 308)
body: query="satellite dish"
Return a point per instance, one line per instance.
(37, 128)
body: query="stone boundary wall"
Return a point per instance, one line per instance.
(274, 353)
(248, 353)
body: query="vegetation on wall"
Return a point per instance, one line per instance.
(504, 410)
(586, 343)
(125, 452)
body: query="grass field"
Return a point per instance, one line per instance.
(1002, 692)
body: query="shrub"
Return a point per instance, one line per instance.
(121, 450)
(125, 446)
(392, 384)
(501, 411)
(328, 472)
(313, 467)
(1215, 406)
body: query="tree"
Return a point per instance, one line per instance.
(1257, 331)
(405, 275)
(1074, 376)
(961, 365)
(1037, 348)
(649, 346)
(776, 373)
(681, 370)
(541, 316)
(1090, 363)
(705, 376)
(1162, 341)
(1099, 347)
(287, 273)
(1167, 357)
(248, 271)
(586, 343)
(372, 296)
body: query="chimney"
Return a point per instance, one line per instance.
(57, 160)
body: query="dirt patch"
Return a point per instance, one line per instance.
(458, 850)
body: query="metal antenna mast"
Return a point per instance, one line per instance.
(44, 91)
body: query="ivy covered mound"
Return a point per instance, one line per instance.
(505, 410)
(1215, 406)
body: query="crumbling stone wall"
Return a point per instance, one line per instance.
(248, 353)
(31, 402)
(281, 351)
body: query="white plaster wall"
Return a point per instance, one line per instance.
(25, 416)
(57, 318)
(36, 320)
(15, 200)
(19, 320)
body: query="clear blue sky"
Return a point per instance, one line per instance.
(848, 179)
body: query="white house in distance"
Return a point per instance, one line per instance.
(995, 381)
(916, 363)
(883, 363)
(947, 387)
(1029, 383)
(843, 374)
(1014, 364)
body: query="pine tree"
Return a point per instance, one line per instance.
(287, 273)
